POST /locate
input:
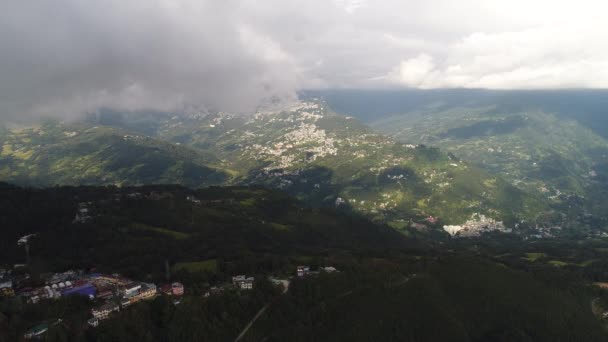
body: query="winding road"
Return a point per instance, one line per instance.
(260, 313)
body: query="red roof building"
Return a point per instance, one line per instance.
(177, 289)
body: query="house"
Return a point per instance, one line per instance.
(125, 302)
(6, 289)
(104, 311)
(329, 269)
(432, 219)
(246, 284)
(174, 289)
(7, 292)
(177, 289)
(145, 291)
(238, 278)
(193, 199)
(93, 322)
(302, 270)
(216, 290)
(51, 293)
(419, 226)
(243, 282)
(130, 288)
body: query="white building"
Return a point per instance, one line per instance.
(243, 282)
(104, 311)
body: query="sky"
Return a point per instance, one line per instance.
(68, 57)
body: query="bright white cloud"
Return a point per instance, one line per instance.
(543, 57)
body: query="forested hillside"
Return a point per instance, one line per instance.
(388, 286)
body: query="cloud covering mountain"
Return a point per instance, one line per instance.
(66, 57)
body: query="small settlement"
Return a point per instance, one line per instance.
(112, 293)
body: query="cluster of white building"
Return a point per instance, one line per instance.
(475, 226)
(302, 271)
(243, 282)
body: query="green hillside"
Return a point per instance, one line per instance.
(327, 159)
(555, 157)
(453, 299)
(134, 230)
(549, 143)
(320, 157)
(57, 153)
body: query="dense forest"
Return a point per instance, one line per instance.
(498, 287)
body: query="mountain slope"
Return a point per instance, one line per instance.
(322, 158)
(534, 148)
(551, 144)
(134, 229)
(56, 153)
(557, 158)
(325, 158)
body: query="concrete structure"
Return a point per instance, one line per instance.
(86, 289)
(105, 293)
(177, 289)
(125, 302)
(243, 282)
(6, 289)
(104, 311)
(94, 322)
(131, 288)
(145, 291)
(302, 270)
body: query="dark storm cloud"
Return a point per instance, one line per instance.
(64, 57)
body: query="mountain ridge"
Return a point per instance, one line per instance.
(324, 159)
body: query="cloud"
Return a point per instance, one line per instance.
(416, 71)
(544, 57)
(66, 57)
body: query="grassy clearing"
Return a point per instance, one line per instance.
(532, 257)
(249, 202)
(558, 263)
(164, 231)
(209, 265)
